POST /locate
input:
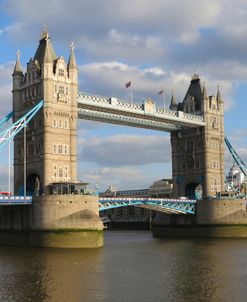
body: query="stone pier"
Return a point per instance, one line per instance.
(214, 218)
(53, 221)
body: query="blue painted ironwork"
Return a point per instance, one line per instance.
(176, 206)
(6, 119)
(9, 133)
(15, 200)
(236, 157)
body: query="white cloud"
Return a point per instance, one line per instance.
(110, 78)
(5, 88)
(4, 176)
(124, 177)
(122, 150)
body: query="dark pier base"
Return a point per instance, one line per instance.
(214, 218)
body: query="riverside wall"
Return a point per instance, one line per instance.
(214, 218)
(66, 221)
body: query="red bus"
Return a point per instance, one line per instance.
(5, 193)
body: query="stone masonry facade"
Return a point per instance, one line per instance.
(51, 135)
(198, 153)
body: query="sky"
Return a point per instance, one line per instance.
(157, 45)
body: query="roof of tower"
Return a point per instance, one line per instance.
(45, 50)
(204, 92)
(72, 61)
(195, 90)
(173, 104)
(218, 96)
(18, 67)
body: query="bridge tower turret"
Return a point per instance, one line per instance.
(51, 135)
(198, 153)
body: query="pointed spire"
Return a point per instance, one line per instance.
(173, 104)
(18, 67)
(72, 62)
(204, 92)
(47, 55)
(218, 96)
(45, 51)
(45, 33)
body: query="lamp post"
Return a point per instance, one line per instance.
(9, 153)
(25, 159)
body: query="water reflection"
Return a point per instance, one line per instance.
(49, 274)
(132, 266)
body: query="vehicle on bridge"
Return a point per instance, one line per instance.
(5, 193)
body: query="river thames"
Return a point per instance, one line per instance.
(132, 266)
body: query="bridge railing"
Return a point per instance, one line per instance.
(143, 199)
(115, 103)
(15, 200)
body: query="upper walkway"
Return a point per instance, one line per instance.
(116, 111)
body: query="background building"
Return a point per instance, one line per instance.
(234, 178)
(132, 215)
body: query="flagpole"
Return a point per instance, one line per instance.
(164, 100)
(131, 93)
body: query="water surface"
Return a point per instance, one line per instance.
(132, 266)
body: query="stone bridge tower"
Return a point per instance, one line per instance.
(51, 135)
(198, 153)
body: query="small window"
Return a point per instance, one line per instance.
(60, 149)
(54, 149)
(60, 172)
(66, 124)
(61, 72)
(61, 89)
(55, 123)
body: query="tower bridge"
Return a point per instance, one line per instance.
(48, 157)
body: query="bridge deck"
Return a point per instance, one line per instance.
(15, 200)
(116, 111)
(171, 206)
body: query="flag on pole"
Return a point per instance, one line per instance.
(160, 92)
(127, 85)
